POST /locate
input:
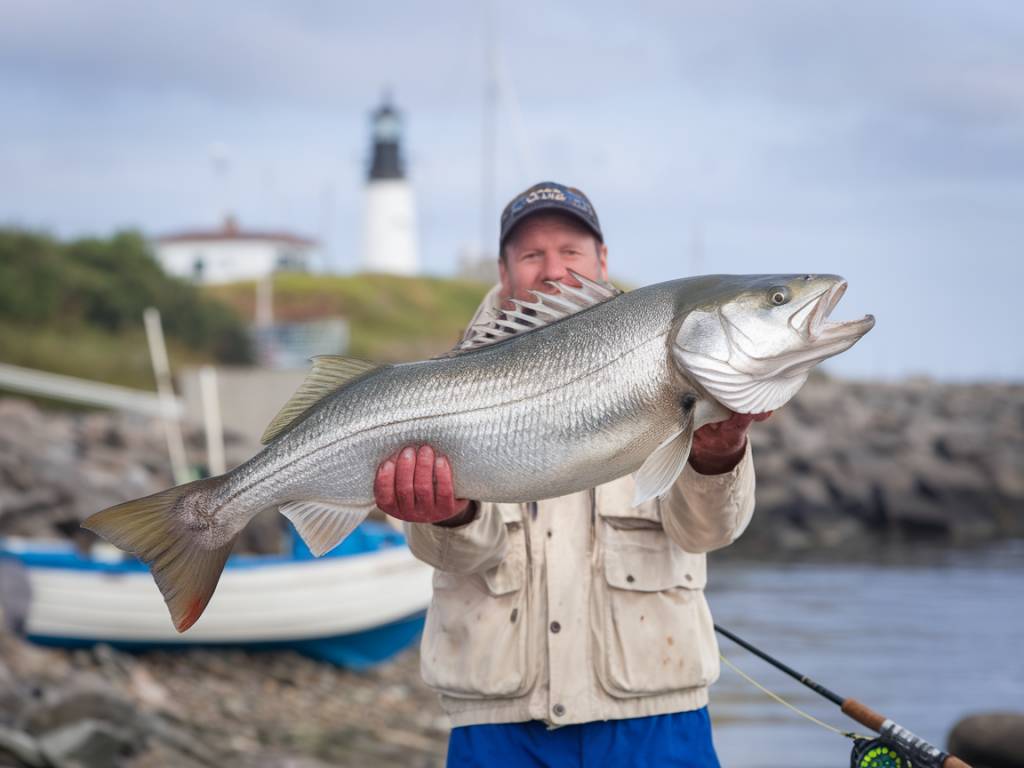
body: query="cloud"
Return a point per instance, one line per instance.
(303, 55)
(884, 141)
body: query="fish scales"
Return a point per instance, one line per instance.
(550, 389)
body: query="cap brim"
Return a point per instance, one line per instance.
(548, 207)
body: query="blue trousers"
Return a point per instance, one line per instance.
(680, 740)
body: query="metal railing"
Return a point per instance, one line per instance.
(86, 392)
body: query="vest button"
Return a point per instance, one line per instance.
(556, 627)
(558, 710)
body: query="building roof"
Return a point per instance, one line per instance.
(230, 231)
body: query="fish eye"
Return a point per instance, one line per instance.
(778, 295)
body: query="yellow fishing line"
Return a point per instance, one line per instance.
(812, 718)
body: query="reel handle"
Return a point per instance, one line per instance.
(867, 717)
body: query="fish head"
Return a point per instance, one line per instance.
(753, 340)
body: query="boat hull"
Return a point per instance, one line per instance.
(357, 606)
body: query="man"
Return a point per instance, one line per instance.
(571, 631)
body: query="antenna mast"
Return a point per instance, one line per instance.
(488, 130)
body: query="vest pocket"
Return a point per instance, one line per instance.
(475, 638)
(652, 626)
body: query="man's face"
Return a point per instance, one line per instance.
(545, 247)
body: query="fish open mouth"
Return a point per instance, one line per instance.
(812, 319)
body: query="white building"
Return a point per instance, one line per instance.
(229, 254)
(389, 237)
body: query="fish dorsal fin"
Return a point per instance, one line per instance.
(329, 373)
(498, 324)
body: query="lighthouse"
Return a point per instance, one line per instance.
(389, 240)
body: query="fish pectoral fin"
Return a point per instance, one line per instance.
(657, 474)
(330, 373)
(323, 525)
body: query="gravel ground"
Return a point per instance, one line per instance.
(225, 708)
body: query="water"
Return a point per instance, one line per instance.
(923, 642)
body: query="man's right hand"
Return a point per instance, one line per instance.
(416, 485)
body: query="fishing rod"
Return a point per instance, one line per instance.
(910, 750)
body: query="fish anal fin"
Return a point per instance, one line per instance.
(546, 308)
(185, 571)
(658, 473)
(329, 373)
(323, 525)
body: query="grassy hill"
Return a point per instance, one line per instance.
(390, 318)
(75, 307)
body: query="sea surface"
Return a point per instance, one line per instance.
(923, 637)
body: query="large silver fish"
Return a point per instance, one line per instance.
(566, 392)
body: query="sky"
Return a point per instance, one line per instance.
(880, 141)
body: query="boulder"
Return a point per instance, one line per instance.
(87, 744)
(20, 747)
(989, 740)
(10, 695)
(86, 699)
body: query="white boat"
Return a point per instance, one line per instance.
(356, 606)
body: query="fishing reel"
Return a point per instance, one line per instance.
(877, 753)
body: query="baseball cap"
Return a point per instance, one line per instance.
(549, 196)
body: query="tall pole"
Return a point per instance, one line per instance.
(165, 391)
(264, 315)
(210, 397)
(488, 130)
(326, 226)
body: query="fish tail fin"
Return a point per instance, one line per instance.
(151, 528)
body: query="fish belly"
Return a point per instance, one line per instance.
(575, 436)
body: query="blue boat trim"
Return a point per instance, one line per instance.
(371, 536)
(359, 650)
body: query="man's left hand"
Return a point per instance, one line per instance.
(718, 447)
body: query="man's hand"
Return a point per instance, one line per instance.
(416, 485)
(718, 447)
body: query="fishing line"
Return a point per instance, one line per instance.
(763, 689)
(895, 746)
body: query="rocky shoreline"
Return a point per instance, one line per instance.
(99, 707)
(847, 466)
(844, 466)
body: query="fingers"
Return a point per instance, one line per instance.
(739, 422)
(384, 487)
(405, 470)
(423, 483)
(724, 438)
(416, 485)
(445, 488)
(735, 422)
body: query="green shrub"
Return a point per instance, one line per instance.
(104, 285)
